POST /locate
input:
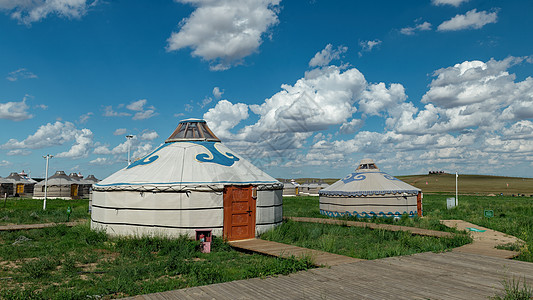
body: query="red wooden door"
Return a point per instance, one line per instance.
(239, 213)
(419, 204)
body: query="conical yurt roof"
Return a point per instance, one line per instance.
(91, 178)
(16, 178)
(59, 178)
(368, 180)
(192, 158)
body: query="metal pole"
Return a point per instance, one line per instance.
(128, 138)
(48, 156)
(456, 195)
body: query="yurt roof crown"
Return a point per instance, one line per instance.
(367, 164)
(192, 130)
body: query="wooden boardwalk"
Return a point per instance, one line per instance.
(484, 241)
(320, 258)
(35, 226)
(449, 275)
(413, 230)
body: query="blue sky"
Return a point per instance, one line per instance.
(301, 88)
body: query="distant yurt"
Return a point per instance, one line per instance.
(60, 185)
(22, 187)
(290, 188)
(83, 186)
(6, 187)
(190, 183)
(312, 188)
(87, 185)
(368, 192)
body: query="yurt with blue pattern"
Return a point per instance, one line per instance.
(369, 192)
(191, 182)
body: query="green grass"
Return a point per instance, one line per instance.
(359, 242)
(76, 263)
(30, 211)
(512, 215)
(515, 289)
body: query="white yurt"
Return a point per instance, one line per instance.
(22, 187)
(368, 192)
(290, 188)
(60, 186)
(191, 182)
(312, 188)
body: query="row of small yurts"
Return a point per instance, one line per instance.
(60, 185)
(292, 188)
(193, 183)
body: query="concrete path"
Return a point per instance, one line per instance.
(485, 240)
(450, 275)
(320, 258)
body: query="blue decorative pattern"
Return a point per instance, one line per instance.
(354, 177)
(215, 156)
(148, 159)
(363, 214)
(390, 177)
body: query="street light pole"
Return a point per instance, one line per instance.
(48, 156)
(128, 138)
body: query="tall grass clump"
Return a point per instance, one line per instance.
(515, 289)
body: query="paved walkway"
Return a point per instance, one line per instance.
(413, 230)
(450, 275)
(34, 226)
(485, 240)
(320, 258)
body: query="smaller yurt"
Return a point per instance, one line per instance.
(368, 192)
(84, 186)
(60, 185)
(6, 187)
(22, 187)
(312, 188)
(290, 188)
(189, 184)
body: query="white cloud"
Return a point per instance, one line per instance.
(15, 111)
(82, 146)
(224, 116)
(377, 98)
(419, 27)
(351, 127)
(102, 150)
(217, 93)
(109, 112)
(471, 20)
(455, 3)
(85, 117)
(120, 131)
(205, 102)
(367, 46)
(18, 152)
(141, 151)
(224, 32)
(147, 114)
(5, 163)
(27, 12)
(47, 135)
(325, 56)
(21, 73)
(137, 105)
(100, 161)
(149, 136)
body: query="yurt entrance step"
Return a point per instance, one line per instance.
(239, 213)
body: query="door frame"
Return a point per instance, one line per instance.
(227, 220)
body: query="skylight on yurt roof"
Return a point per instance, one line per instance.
(192, 130)
(367, 164)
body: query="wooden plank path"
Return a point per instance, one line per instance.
(484, 241)
(413, 230)
(320, 258)
(35, 226)
(449, 275)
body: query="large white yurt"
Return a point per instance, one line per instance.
(191, 182)
(368, 192)
(60, 186)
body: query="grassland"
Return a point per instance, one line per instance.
(512, 215)
(30, 211)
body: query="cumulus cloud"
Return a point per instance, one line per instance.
(147, 114)
(15, 111)
(51, 134)
(21, 73)
(455, 3)
(419, 27)
(471, 20)
(28, 12)
(367, 46)
(141, 112)
(224, 32)
(217, 93)
(100, 161)
(377, 98)
(109, 112)
(18, 152)
(224, 116)
(351, 126)
(5, 163)
(149, 136)
(85, 117)
(325, 56)
(137, 105)
(82, 146)
(120, 131)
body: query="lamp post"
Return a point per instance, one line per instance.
(128, 138)
(456, 195)
(48, 156)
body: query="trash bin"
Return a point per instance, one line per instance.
(450, 203)
(204, 236)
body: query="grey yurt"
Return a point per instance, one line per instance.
(6, 187)
(312, 188)
(84, 186)
(22, 187)
(368, 192)
(60, 185)
(191, 182)
(290, 188)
